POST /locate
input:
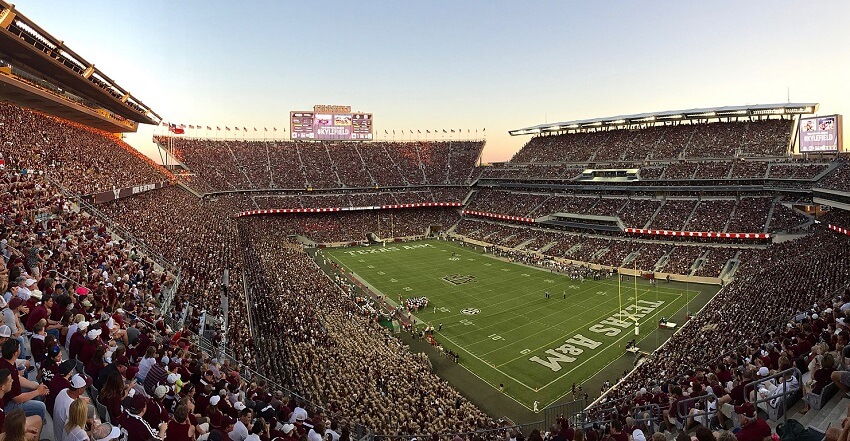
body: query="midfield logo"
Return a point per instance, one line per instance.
(459, 279)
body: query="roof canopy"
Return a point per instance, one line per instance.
(673, 115)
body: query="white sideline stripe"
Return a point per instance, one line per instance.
(485, 362)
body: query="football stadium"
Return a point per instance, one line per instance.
(592, 267)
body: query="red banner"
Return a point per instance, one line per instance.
(710, 234)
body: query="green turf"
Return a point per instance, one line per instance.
(514, 323)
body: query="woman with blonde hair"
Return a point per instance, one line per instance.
(75, 427)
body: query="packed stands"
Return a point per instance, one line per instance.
(256, 165)
(71, 154)
(837, 180)
(716, 140)
(374, 373)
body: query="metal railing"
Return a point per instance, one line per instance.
(783, 395)
(686, 406)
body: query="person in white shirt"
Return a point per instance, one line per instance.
(240, 429)
(62, 406)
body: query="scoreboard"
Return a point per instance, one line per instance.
(330, 123)
(820, 134)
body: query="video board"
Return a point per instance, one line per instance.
(330, 126)
(820, 134)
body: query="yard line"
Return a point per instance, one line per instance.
(485, 362)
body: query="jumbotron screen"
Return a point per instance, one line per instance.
(820, 134)
(330, 126)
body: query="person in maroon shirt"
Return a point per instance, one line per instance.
(42, 311)
(753, 428)
(179, 427)
(16, 398)
(93, 341)
(37, 344)
(617, 431)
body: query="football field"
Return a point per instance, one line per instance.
(496, 315)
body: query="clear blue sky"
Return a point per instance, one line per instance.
(447, 64)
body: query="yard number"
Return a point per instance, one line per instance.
(495, 337)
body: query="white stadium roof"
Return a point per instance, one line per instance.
(673, 115)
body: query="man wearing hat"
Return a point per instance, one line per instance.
(62, 406)
(105, 432)
(289, 433)
(157, 375)
(60, 381)
(134, 423)
(157, 412)
(215, 415)
(77, 337)
(753, 428)
(93, 342)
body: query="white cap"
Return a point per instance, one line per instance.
(94, 333)
(172, 378)
(83, 325)
(29, 282)
(5, 330)
(160, 391)
(78, 382)
(288, 428)
(239, 406)
(214, 400)
(763, 371)
(113, 434)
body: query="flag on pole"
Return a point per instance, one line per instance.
(217, 128)
(227, 128)
(255, 129)
(209, 128)
(236, 128)
(265, 129)
(244, 129)
(191, 126)
(444, 131)
(175, 129)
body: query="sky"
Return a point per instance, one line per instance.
(443, 64)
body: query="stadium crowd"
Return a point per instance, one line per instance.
(241, 165)
(71, 154)
(83, 303)
(342, 358)
(715, 140)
